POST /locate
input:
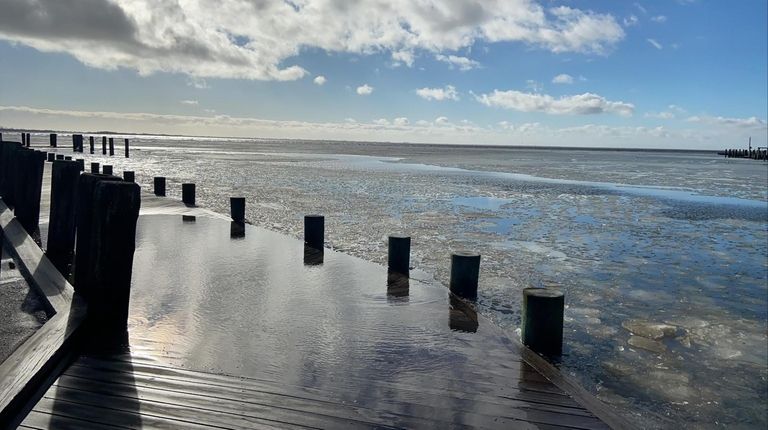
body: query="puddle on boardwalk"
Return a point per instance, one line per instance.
(657, 237)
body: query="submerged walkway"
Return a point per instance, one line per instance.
(248, 331)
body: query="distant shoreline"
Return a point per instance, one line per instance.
(432, 145)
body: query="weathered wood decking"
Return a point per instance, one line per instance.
(127, 391)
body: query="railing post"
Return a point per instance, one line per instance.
(465, 273)
(542, 320)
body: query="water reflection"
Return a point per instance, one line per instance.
(398, 287)
(188, 218)
(462, 316)
(236, 230)
(313, 256)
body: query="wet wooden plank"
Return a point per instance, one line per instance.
(42, 421)
(61, 410)
(505, 389)
(310, 412)
(480, 404)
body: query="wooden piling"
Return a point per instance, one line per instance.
(314, 231)
(91, 144)
(61, 224)
(159, 186)
(126, 148)
(106, 169)
(465, 273)
(542, 320)
(51, 156)
(85, 209)
(81, 164)
(59, 156)
(111, 146)
(113, 242)
(7, 179)
(103, 145)
(53, 143)
(188, 194)
(68, 157)
(94, 167)
(29, 188)
(237, 209)
(129, 176)
(399, 254)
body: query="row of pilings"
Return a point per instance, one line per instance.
(754, 154)
(92, 236)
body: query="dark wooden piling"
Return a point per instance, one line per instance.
(103, 145)
(29, 140)
(94, 167)
(111, 146)
(78, 138)
(465, 273)
(126, 148)
(59, 156)
(542, 320)
(314, 231)
(399, 254)
(188, 194)
(236, 230)
(51, 156)
(113, 242)
(61, 224)
(85, 209)
(81, 164)
(237, 209)
(8, 159)
(313, 256)
(106, 169)
(91, 144)
(53, 140)
(68, 157)
(129, 176)
(159, 186)
(29, 188)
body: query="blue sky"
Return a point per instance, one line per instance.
(685, 73)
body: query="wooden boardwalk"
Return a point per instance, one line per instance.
(125, 391)
(486, 380)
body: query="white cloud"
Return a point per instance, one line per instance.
(672, 112)
(261, 39)
(562, 79)
(364, 90)
(462, 63)
(581, 104)
(442, 121)
(405, 57)
(641, 8)
(319, 80)
(752, 122)
(381, 121)
(438, 94)
(189, 102)
(659, 18)
(631, 21)
(402, 121)
(655, 44)
(198, 83)
(534, 86)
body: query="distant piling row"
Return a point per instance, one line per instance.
(754, 154)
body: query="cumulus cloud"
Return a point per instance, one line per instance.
(261, 39)
(461, 63)
(655, 44)
(581, 104)
(672, 112)
(659, 18)
(439, 94)
(401, 121)
(320, 80)
(562, 79)
(189, 102)
(364, 90)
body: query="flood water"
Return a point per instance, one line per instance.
(662, 256)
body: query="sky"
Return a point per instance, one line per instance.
(653, 74)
